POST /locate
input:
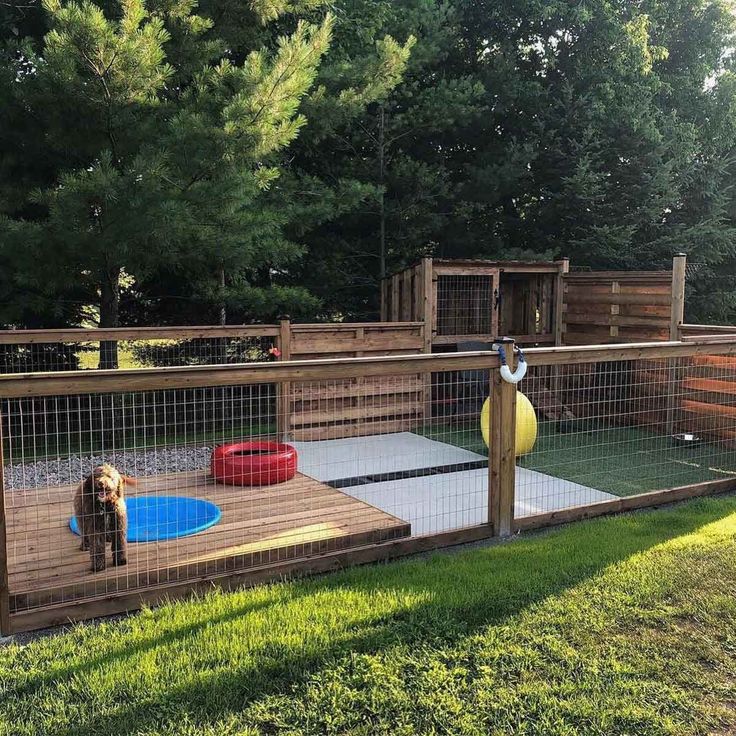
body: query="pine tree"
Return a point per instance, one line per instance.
(390, 175)
(162, 144)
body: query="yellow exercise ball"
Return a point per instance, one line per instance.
(526, 423)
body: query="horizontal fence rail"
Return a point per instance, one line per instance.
(23, 351)
(696, 333)
(26, 351)
(69, 382)
(84, 335)
(391, 454)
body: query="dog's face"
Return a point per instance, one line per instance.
(107, 485)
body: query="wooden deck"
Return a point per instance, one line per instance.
(259, 526)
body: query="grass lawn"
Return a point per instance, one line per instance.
(616, 626)
(620, 460)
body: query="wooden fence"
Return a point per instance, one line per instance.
(535, 303)
(388, 408)
(623, 306)
(29, 512)
(357, 405)
(709, 385)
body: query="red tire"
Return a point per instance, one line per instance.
(256, 463)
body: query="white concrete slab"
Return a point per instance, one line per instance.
(436, 503)
(431, 503)
(355, 457)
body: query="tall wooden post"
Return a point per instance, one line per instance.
(4, 582)
(425, 314)
(677, 312)
(677, 317)
(502, 449)
(384, 300)
(283, 390)
(564, 267)
(428, 303)
(395, 314)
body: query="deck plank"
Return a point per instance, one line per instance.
(259, 526)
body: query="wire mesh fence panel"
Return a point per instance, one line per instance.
(464, 305)
(181, 523)
(215, 482)
(134, 353)
(620, 428)
(405, 444)
(247, 467)
(32, 357)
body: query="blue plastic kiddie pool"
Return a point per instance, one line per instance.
(152, 518)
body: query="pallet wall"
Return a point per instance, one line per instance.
(357, 406)
(708, 397)
(403, 294)
(617, 306)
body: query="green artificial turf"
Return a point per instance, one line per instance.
(618, 626)
(619, 460)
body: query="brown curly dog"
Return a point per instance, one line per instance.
(99, 505)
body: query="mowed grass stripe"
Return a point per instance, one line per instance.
(623, 625)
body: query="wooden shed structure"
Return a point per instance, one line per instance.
(538, 304)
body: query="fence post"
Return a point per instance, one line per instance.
(677, 317)
(677, 310)
(502, 449)
(4, 582)
(559, 295)
(283, 390)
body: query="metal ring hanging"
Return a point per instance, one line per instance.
(506, 373)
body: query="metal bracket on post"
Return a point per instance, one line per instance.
(506, 373)
(502, 446)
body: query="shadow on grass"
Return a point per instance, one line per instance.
(455, 595)
(142, 646)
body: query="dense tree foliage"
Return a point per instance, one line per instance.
(164, 160)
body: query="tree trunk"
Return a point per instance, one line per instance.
(223, 308)
(110, 315)
(381, 201)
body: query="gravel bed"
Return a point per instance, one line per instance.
(72, 469)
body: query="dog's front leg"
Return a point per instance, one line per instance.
(83, 533)
(96, 539)
(119, 534)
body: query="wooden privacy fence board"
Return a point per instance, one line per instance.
(708, 393)
(358, 428)
(586, 297)
(368, 326)
(375, 386)
(348, 408)
(342, 345)
(710, 385)
(607, 319)
(345, 401)
(598, 336)
(649, 276)
(724, 361)
(618, 307)
(601, 289)
(333, 415)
